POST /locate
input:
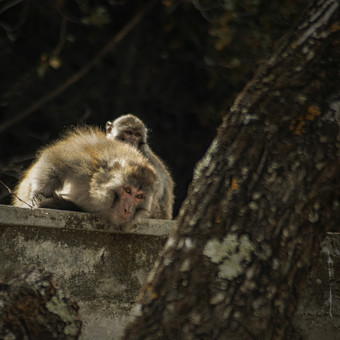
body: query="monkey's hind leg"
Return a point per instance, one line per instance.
(44, 184)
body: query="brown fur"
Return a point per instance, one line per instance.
(164, 201)
(84, 169)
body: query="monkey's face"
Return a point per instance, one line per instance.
(122, 194)
(119, 204)
(134, 138)
(129, 200)
(128, 129)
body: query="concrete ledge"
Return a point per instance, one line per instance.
(58, 219)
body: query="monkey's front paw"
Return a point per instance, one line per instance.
(39, 200)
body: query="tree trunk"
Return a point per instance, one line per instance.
(260, 202)
(33, 307)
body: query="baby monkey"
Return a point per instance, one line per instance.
(88, 171)
(130, 129)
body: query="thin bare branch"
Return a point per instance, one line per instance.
(62, 36)
(7, 6)
(82, 72)
(12, 193)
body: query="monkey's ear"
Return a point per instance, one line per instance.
(109, 126)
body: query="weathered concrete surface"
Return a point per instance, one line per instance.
(104, 267)
(58, 219)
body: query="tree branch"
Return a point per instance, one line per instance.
(81, 73)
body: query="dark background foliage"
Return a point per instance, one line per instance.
(178, 70)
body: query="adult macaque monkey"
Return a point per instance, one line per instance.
(85, 169)
(132, 130)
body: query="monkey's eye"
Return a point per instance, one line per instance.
(137, 134)
(140, 196)
(127, 190)
(128, 132)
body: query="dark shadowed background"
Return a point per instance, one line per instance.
(179, 70)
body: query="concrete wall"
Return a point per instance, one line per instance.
(103, 269)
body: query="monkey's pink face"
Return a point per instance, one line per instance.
(127, 204)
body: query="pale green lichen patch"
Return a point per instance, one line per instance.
(71, 329)
(230, 254)
(217, 250)
(60, 308)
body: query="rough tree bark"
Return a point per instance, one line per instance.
(261, 200)
(32, 306)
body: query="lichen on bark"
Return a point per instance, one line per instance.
(231, 255)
